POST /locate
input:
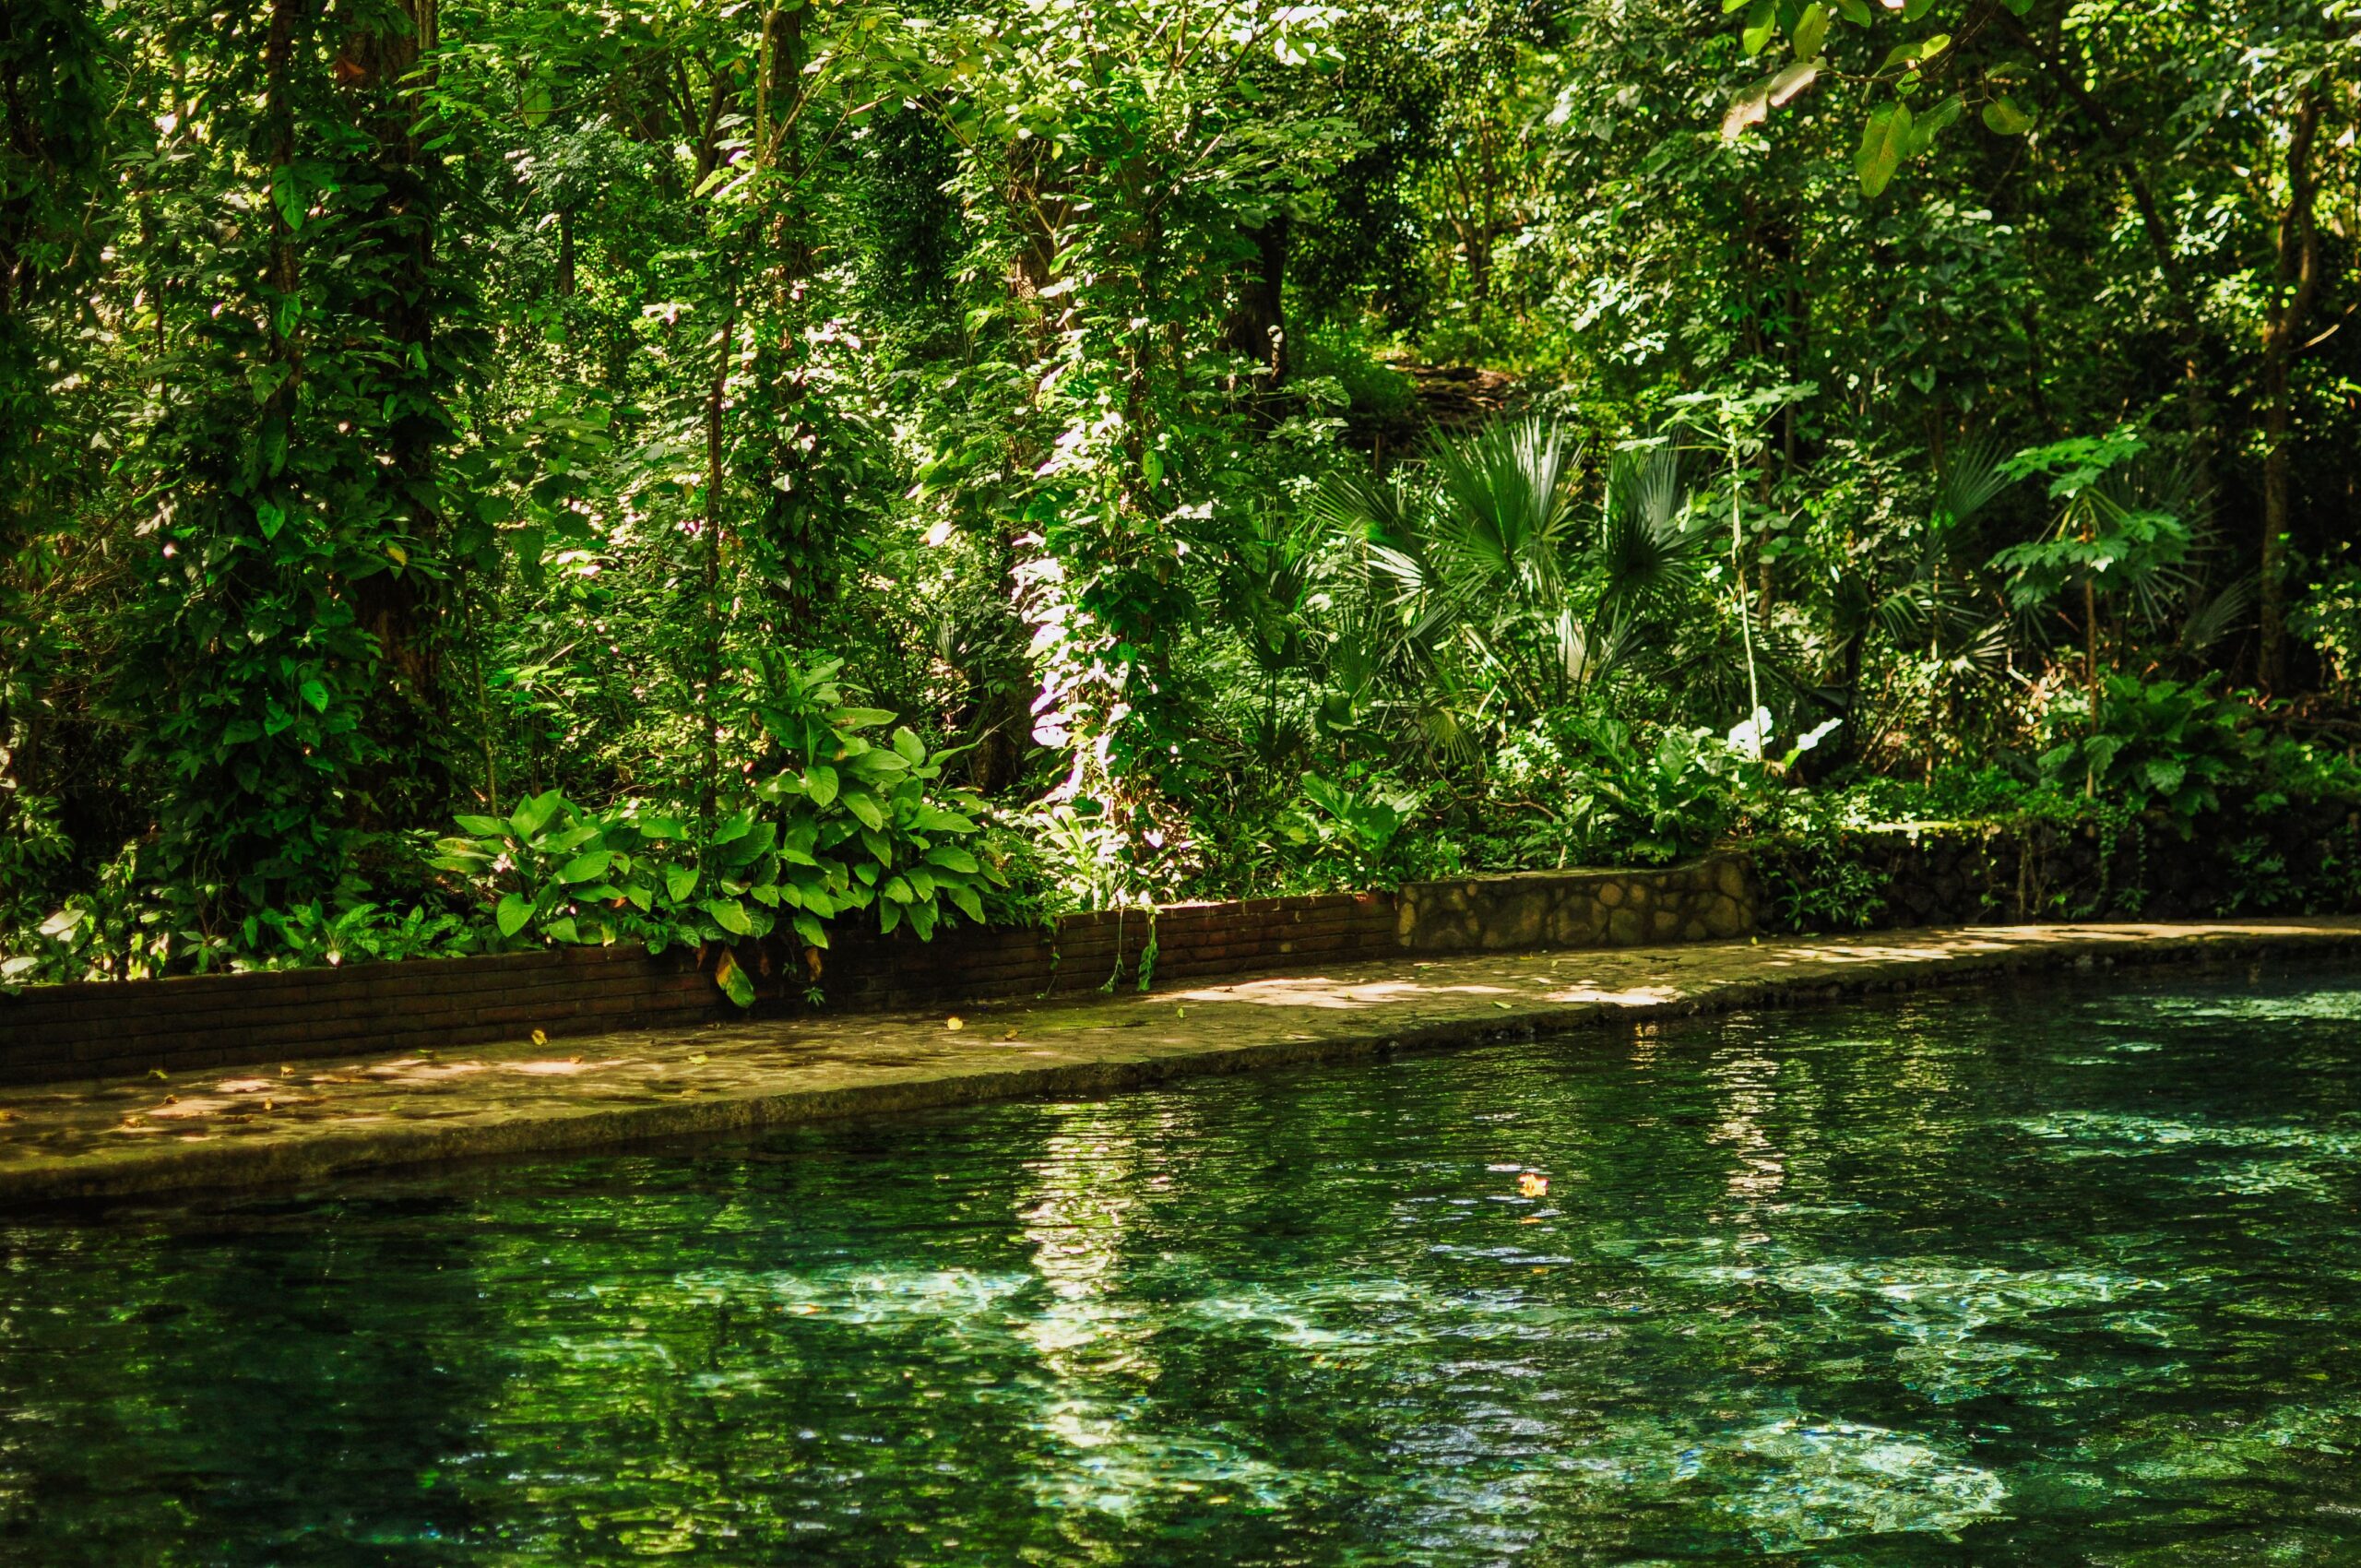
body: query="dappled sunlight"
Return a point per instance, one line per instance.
(128, 1135)
(1319, 991)
(1629, 996)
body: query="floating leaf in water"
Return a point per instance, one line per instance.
(1533, 1184)
(954, 1022)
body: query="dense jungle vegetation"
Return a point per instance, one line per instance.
(503, 472)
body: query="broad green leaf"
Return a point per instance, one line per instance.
(1884, 136)
(908, 747)
(952, 858)
(1854, 11)
(316, 695)
(680, 882)
(535, 813)
(733, 981)
(513, 911)
(1925, 127)
(561, 930)
(729, 915)
(483, 826)
(585, 866)
(1762, 23)
(969, 905)
(1810, 31)
(2003, 118)
(660, 826)
(860, 718)
(572, 838)
(934, 819)
(865, 808)
(820, 783)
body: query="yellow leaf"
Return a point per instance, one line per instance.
(954, 1023)
(1533, 1184)
(699, 1057)
(1009, 1035)
(540, 1038)
(396, 554)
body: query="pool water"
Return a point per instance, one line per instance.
(2055, 1275)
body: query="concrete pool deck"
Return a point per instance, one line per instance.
(309, 1120)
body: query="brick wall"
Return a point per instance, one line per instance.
(105, 1030)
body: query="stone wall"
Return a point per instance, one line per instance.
(127, 1028)
(2293, 858)
(1579, 908)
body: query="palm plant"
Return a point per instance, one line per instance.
(1486, 595)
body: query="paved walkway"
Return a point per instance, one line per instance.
(307, 1120)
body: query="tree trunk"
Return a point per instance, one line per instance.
(402, 608)
(2299, 282)
(1257, 328)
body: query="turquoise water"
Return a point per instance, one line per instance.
(2068, 1276)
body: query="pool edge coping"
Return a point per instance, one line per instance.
(189, 1169)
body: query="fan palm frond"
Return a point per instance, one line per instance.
(1647, 546)
(1504, 506)
(1968, 478)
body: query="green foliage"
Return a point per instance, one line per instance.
(412, 411)
(1358, 821)
(2165, 745)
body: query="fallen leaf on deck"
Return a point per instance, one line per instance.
(954, 1023)
(540, 1039)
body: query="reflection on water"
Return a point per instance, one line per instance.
(2062, 1278)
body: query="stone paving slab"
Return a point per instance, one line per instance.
(306, 1121)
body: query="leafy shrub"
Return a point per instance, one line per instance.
(2167, 745)
(1358, 821)
(840, 823)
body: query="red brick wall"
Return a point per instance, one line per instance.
(128, 1027)
(106, 1030)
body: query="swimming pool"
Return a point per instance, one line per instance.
(2069, 1273)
